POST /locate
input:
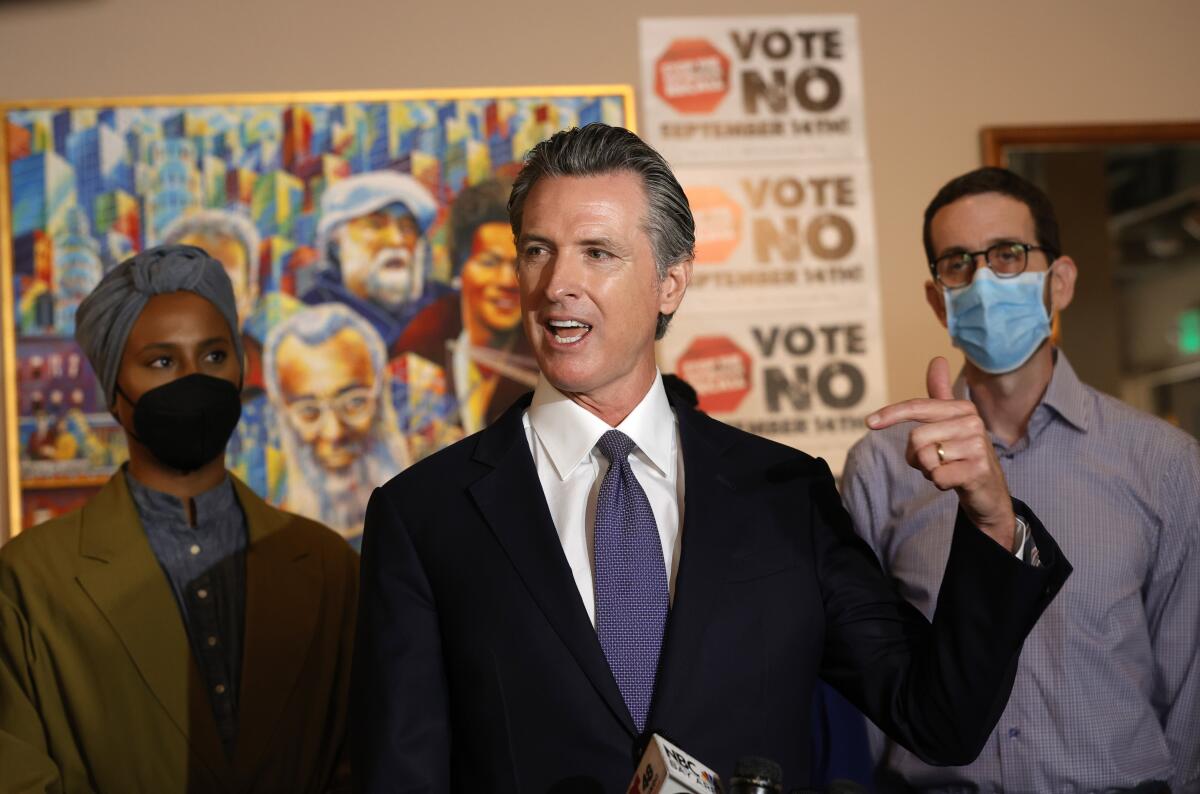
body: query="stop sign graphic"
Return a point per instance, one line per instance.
(718, 370)
(692, 76)
(718, 223)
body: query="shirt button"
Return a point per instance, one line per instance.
(1014, 733)
(194, 550)
(202, 593)
(219, 689)
(212, 642)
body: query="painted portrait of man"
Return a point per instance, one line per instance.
(374, 257)
(231, 239)
(330, 392)
(475, 333)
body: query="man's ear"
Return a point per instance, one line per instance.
(1061, 286)
(936, 300)
(673, 286)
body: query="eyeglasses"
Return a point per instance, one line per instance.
(352, 406)
(1006, 259)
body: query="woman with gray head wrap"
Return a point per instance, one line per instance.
(106, 316)
(190, 636)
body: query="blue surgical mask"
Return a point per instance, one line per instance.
(998, 322)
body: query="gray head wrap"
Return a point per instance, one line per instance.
(106, 316)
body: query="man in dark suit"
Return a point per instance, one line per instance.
(543, 593)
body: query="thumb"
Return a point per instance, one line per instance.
(937, 379)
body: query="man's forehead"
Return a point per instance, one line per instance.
(982, 217)
(345, 342)
(327, 366)
(615, 196)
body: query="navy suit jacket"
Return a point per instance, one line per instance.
(477, 668)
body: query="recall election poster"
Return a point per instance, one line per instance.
(763, 120)
(783, 236)
(807, 379)
(741, 89)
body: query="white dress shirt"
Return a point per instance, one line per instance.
(562, 436)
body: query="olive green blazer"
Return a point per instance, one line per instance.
(99, 690)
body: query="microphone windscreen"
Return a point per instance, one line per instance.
(750, 766)
(755, 775)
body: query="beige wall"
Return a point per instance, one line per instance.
(935, 72)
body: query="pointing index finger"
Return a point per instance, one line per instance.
(921, 409)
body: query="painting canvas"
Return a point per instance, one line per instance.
(367, 240)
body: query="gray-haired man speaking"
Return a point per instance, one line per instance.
(603, 562)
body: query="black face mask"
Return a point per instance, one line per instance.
(186, 423)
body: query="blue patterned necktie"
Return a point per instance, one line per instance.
(631, 579)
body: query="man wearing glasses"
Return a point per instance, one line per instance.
(1107, 691)
(329, 385)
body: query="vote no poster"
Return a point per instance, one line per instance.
(806, 379)
(741, 89)
(762, 119)
(794, 236)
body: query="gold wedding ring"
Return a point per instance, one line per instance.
(941, 453)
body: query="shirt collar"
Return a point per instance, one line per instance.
(1065, 395)
(569, 432)
(155, 507)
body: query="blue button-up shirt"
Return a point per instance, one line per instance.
(205, 565)
(1107, 693)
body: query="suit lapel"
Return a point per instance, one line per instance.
(711, 518)
(283, 596)
(124, 580)
(511, 500)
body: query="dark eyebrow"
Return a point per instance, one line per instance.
(164, 346)
(173, 346)
(994, 241)
(622, 251)
(952, 250)
(532, 238)
(601, 242)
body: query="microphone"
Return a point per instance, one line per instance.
(665, 769)
(754, 775)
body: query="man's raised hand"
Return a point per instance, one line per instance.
(952, 448)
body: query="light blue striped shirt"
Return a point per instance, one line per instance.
(1108, 689)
